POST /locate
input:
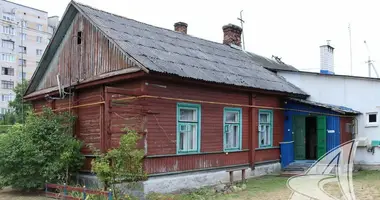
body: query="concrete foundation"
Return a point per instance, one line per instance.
(187, 181)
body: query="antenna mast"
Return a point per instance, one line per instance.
(349, 33)
(241, 24)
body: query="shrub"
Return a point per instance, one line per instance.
(122, 164)
(42, 149)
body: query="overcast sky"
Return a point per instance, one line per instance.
(291, 29)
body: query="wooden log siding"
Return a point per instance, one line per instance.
(95, 55)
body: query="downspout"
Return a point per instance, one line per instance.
(252, 125)
(250, 142)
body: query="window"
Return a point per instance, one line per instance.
(7, 71)
(22, 62)
(232, 128)
(79, 37)
(9, 44)
(7, 57)
(38, 52)
(7, 84)
(39, 27)
(371, 119)
(39, 39)
(4, 110)
(22, 75)
(8, 17)
(8, 30)
(188, 128)
(7, 97)
(50, 30)
(22, 49)
(265, 128)
(24, 24)
(22, 36)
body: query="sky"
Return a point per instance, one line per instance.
(291, 29)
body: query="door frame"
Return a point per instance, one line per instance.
(318, 132)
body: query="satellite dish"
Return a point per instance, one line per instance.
(59, 86)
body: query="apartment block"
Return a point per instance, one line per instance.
(24, 32)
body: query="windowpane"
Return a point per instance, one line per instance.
(187, 114)
(188, 129)
(372, 118)
(265, 128)
(264, 118)
(232, 116)
(232, 131)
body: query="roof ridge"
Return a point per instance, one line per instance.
(221, 44)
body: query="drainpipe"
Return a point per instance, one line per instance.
(252, 125)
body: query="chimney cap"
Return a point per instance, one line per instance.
(232, 26)
(180, 24)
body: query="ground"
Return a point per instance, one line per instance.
(366, 183)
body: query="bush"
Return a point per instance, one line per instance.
(122, 164)
(41, 150)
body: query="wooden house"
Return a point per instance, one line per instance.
(202, 107)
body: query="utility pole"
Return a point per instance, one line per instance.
(241, 24)
(22, 71)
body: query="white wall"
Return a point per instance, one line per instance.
(358, 93)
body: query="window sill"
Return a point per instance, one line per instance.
(231, 150)
(371, 125)
(266, 148)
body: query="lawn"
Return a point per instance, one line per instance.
(366, 183)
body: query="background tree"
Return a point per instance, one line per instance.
(19, 108)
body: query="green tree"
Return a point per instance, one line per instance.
(20, 108)
(42, 149)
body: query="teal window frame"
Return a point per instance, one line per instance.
(226, 124)
(270, 112)
(180, 124)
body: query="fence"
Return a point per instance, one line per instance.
(83, 191)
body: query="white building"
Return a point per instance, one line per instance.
(359, 93)
(25, 33)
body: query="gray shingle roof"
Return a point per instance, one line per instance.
(167, 51)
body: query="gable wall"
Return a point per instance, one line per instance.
(93, 57)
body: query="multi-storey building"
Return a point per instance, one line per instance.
(24, 32)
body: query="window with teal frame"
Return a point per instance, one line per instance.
(232, 121)
(188, 128)
(265, 128)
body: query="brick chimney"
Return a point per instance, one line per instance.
(232, 34)
(180, 27)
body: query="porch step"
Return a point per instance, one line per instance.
(296, 168)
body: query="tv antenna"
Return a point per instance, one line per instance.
(370, 62)
(241, 25)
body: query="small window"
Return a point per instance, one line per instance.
(9, 44)
(9, 30)
(7, 57)
(38, 52)
(7, 71)
(188, 125)
(371, 119)
(265, 128)
(22, 75)
(22, 49)
(24, 24)
(23, 36)
(39, 39)
(39, 27)
(22, 62)
(7, 97)
(232, 129)
(79, 37)
(7, 84)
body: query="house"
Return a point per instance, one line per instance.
(202, 107)
(358, 93)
